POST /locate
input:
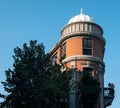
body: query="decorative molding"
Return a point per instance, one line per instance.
(81, 34)
(84, 57)
(83, 22)
(87, 64)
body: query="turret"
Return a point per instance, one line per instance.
(82, 47)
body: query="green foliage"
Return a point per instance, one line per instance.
(34, 82)
(2, 96)
(88, 89)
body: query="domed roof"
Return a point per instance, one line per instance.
(81, 17)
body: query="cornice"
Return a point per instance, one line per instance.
(84, 57)
(82, 34)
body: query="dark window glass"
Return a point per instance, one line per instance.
(87, 46)
(64, 51)
(85, 43)
(88, 71)
(54, 58)
(87, 52)
(89, 43)
(88, 106)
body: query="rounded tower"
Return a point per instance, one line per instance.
(82, 46)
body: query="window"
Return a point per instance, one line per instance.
(54, 58)
(64, 51)
(87, 46)
(88, 105)
(88, 71)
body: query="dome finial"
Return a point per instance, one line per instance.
(81, 11)
(81, 18)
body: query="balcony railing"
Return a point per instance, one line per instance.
(108, 96)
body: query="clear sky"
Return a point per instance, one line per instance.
(42, 20)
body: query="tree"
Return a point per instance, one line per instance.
(33, 81)
(2, 96)
(88, 90)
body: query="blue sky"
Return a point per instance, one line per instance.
(42, 20)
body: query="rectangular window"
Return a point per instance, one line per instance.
(87, 46)
(89, 105)
(64, 51)
(88, 71)
(54, 59)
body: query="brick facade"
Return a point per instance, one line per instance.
(81, 54)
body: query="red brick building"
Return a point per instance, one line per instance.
(82, 46)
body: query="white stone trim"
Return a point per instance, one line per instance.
(84, 57)
(82, 34)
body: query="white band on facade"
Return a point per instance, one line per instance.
(84, 57)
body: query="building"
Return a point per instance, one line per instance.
(82, 46)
